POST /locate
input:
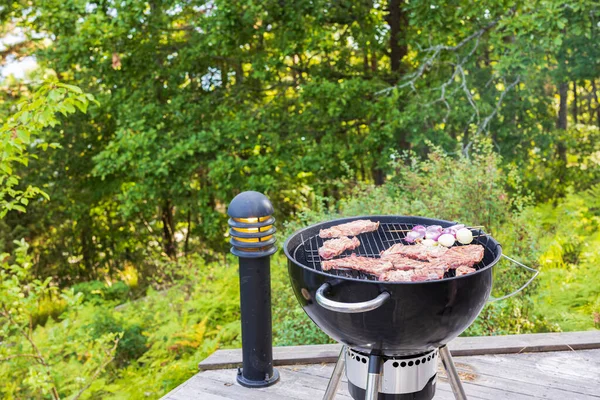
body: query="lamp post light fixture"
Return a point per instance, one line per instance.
(253, 241)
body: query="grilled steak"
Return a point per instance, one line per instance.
(427, 273)
(349, 229)
(335, 247)
(416, 252)
(461, 256)
(403, 263)
(453, 257)
(464, 270)
(375, 266)
(397, 276)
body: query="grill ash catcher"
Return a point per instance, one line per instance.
(253, 241)
(393, 333)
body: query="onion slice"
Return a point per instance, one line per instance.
(433, 232)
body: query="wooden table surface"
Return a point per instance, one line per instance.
(568, 374)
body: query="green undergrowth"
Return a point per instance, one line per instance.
(568, 292)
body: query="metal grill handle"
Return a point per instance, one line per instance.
(535, 274)
(349, 308)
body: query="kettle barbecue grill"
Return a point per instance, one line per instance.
(393, 332)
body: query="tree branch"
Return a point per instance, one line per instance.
(110, 356)
(489, 118)
(435, 51)
(12, 357)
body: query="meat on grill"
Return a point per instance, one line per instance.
(461, 256)
(400, 265)
(464, 270)
(416, 252)
(349, 229)
(335, 247)
(453, 257)
(375, 266)
(429, 274)
(426, 273)
(403, 263)
(397, 275)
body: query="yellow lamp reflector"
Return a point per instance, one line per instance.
(246, 240)
(252, 220)
(253, 230)
(246, 230)
(253, 240)
(264, 239)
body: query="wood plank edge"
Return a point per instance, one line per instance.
(278, 362)
(329, 353)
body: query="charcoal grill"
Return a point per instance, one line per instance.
(393, 332)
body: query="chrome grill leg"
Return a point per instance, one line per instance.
(374, 378)
(336, 376)
(453, 378)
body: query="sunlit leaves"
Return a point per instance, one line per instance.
(25, 129)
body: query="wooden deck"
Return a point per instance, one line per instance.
(545, 366)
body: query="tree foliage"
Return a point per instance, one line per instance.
(200, 100)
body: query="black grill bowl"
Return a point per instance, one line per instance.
(418, 316)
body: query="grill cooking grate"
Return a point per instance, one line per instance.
(371, 245)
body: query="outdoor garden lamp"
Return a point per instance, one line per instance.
(253, 241)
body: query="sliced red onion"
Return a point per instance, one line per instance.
(433, 232)
(456, 227)
(420, 229)
(450, 231)
(412, 236)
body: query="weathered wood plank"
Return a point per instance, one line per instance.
(561, 371)
(463, 346)
(542, 375)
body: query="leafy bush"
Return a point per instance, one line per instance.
(133, 341)
(98, 291)
(549, 174)
(92, 290)
(570, 260)
(117, 291)
(50, 306)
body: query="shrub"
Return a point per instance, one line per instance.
(133, 342)
(92, 290)
(50, 306)
(117, 291)
(97, 291)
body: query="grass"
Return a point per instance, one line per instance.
(569, 294)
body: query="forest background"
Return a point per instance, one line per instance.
(140, 120)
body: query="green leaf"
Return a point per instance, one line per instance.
(72, 88)
(18, 207)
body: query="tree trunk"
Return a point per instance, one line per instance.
(373, 61)
(239, 73)
(561, 123)
(378, 174)
(187, 234)
(86, 245)
(398, 21)
(168, 233)
(574, 109)
(563, 92)
(595, 93)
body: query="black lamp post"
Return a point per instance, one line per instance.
(253, 241)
